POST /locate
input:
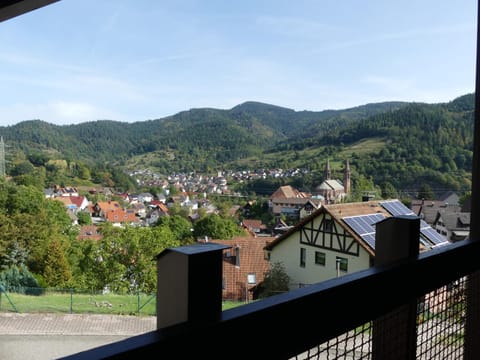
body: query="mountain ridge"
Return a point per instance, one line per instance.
(207, 139)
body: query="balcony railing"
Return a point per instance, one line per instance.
(365, 315)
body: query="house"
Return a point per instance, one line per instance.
(65, 190)
(140, 210)
(156, 213)
(120, 217)
(112, 212)
(67, 202)
(428, 209)
(124, 196)
(101, 208)
(181, 200)
(310, 206)
(288, 201)
(145, 197)
(280, 227)
(89, 232)
(254, 227)
(338, 239)
(244, 266)
(81, 202)
(454, 225)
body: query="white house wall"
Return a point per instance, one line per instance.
(288, 253)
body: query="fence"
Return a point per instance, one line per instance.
(49, 300)
(437, 331)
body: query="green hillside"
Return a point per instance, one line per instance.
(399, 143)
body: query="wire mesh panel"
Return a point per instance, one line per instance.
(438, 328)
(355, 344)
(441, 322)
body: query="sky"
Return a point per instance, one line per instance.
(77, 61)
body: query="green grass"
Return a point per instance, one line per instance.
(368, 146)
(79, 303)
(231, 304)
(82, 303)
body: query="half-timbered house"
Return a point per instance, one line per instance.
(338, 239)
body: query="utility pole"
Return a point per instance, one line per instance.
(2, 157)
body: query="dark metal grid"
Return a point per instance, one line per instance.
(440, 327)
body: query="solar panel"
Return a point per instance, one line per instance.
(396, 207)
(431, 234)
(364, 226)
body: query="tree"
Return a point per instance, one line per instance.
(124, 259)
(276, 281)
(20, 280)
(426, 192)
(180, 227)
(84, 218)
(15, 256)
(388, 191)
(217, 227)
(56, 270)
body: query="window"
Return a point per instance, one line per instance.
(303, 257)
(319, 258)
(341, 264)
(237, 256)
(327, 225)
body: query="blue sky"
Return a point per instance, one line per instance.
(133, 60)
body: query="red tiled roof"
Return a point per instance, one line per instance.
(121, 216)
(108, 205)
(77, 200)
(89, 232)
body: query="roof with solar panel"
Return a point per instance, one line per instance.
(359, 219)
(362, 220)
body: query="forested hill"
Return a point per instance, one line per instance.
(245, 130)
(412, 140)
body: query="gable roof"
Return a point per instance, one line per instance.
(253, 223)
(287, 192)
(121, 216)
(454, 220)
(77, 200)
(375, 209)
(106, 206)
(428, 209)
(67, 202)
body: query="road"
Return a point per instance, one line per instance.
(48, 347)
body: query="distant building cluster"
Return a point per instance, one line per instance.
(329, 236)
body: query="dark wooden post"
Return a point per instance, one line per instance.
(395, 334)
(189, 284)
(472, 321)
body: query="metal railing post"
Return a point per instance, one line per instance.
(395, 334)
(189, 284)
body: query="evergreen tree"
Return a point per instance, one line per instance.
(56, 270)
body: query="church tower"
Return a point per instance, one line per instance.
(346, 178)
(328, 171)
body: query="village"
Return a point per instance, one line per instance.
(316, 236)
